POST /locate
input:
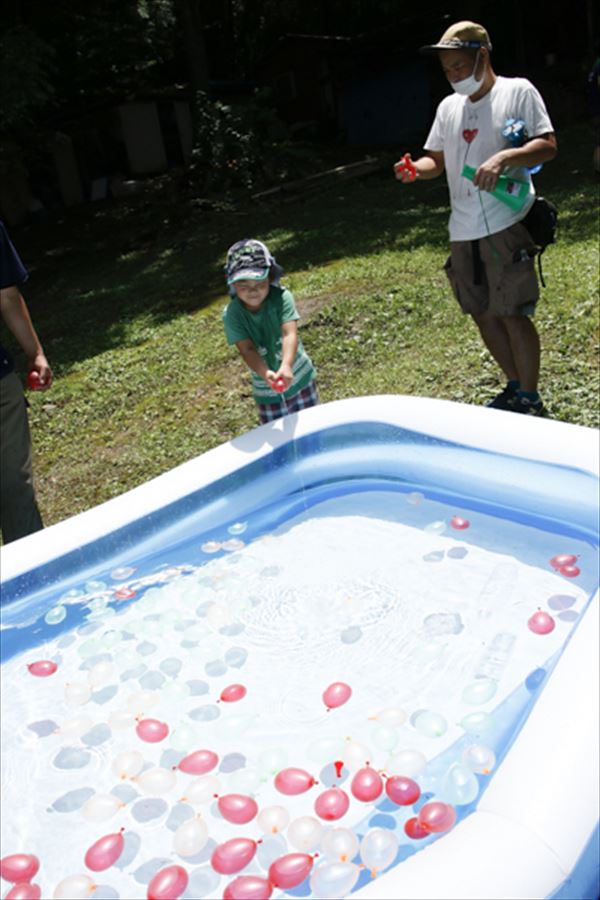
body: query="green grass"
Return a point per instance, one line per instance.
(127, 299)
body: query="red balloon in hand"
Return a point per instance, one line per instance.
(406, 167)
(279, 385)
(34, 381)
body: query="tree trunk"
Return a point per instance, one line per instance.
(195, 48)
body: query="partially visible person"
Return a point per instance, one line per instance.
(593, 102)
(19, 513)
(262, 321)
(490, 268)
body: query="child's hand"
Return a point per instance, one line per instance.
(405, 169)
(281, 379)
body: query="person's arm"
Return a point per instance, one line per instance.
(17, 319)
(254, 360)
(539, 149)
(289, 348)
(428, 166)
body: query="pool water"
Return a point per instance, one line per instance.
(413, 593)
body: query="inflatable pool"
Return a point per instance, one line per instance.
(351, 653)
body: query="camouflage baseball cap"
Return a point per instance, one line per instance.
(248, 260)
(461, 36)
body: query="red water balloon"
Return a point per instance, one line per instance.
(415, 830)
(248, 887)
(279, 385)
(332, 804)
(367, 785)
(151, 730)
(459, 523)
(105, 852)
(237, 808)
(290, 870)
(563, 559)
(402, 790)
(233, 693)
(168, 884)
(293, 781)
(541, 622)
(570, 571)
(199, 762)
(19, 867)
(34, 380)
(24, 891)
(405, 166)
(436, 817)
(42, 668)
(336, 694)
(124, 593)
(233, 855)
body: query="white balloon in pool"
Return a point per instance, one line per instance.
(101, 807)
(479, 758)
(202, 790)
(273, 819)
(332, 880)
(190, 837)
(156, 781)
(121, 719)
(101, 673)
(340, 844)
(128, 764)
(406, 762)
(392, 716)
(459, 785)
(75, 727)
(77, 693)
(355, 755)
(378, 849)
(74, 887)
(304, 833)
(479, 691)
(141, 701)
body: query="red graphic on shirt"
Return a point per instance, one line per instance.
(470, 134)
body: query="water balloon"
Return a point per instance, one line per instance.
(479, 758)
(199, 762)
(233, 855)
(190, 837)
(378, 849)
(332, 804)
(402, 790)
(233, 693)
(151, 730)
(541, 622)
(248, 887)
(304, 833)
(273, 819)
(336, 694)
(237, 808)
(436, 817)
(74, 887)
(19, 867)
(42, 668)
(105, 852)
(168, 884)
(367, 785)
(24, 891)
(290, 870)
(333, 880)
(340, 844)
(293, 781)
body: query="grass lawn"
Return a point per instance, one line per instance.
(127, 299)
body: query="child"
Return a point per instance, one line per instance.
(261, 320)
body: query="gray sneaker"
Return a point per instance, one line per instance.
(522, 404)
(503, 399)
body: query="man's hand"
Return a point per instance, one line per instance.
(486, 176)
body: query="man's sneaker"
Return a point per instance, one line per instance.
(522, 404)
(503, 399)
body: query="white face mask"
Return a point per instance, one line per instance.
(470, 85)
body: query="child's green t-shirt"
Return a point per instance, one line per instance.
(263, 327)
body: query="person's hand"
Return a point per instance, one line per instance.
(283, 373)
(405, 169)
(40, 365)
(486, 176)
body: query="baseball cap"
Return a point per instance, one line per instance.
(461, 36)
(248, 260)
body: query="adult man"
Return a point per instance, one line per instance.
(490, 267)
(19, 513)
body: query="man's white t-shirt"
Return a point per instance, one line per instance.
(469, 133)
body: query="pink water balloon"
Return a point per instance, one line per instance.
(367, 785)
(105, 851)
(24, 891)
(541, 622)
(290, 870)
(402, 790)
(237, 808)
(151, 730)
(458, 523)
(42, 668)
(563, 559)
(293, 781)
(570, 571)
(233, 693)
(233, 855)
(199, 762)
(336, 694)
(19, 867)
(332, 804)
(415, 830)
(248, 887)
(436, 817)
(168, 883)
